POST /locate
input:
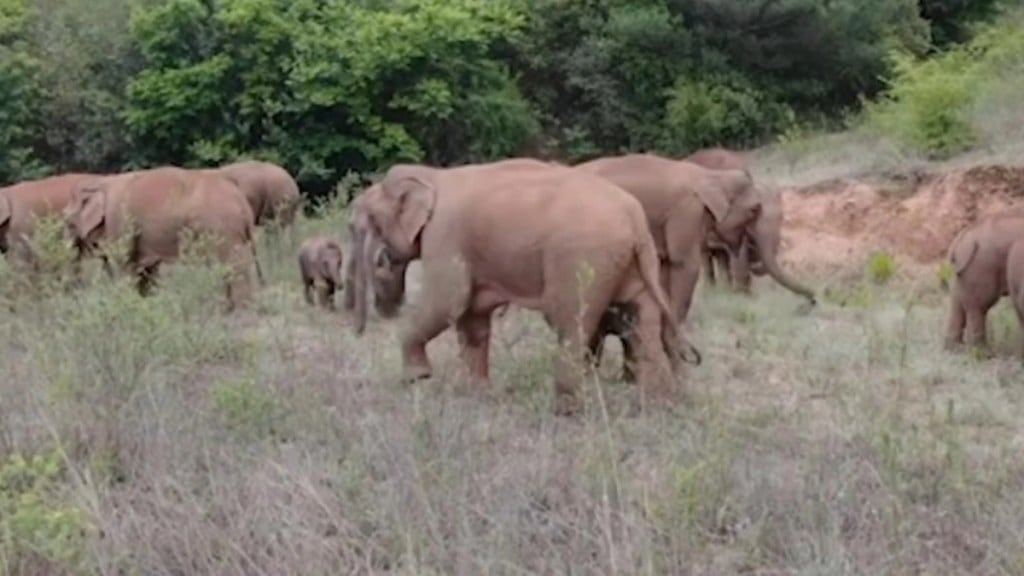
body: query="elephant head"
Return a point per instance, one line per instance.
(330, 261)
(734, 202)
(373, 262)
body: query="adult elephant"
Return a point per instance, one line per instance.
(370, 266)
(22, 205)
(152, 208)
(271, 191)
(552, 239)
(376, 268)
(684, 203)
(758, 253)
(979, 256)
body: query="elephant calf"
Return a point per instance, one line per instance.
(320, 261)
(988, 258)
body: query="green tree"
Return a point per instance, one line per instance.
(19, 95)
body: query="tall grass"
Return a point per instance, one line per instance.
(162, 436)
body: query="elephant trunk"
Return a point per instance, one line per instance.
(771, 265)
(360, 280)
(349, 280)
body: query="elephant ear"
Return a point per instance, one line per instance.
(415, 198)
(714, 199)
(94, 212)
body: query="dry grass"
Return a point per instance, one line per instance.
(170, 438)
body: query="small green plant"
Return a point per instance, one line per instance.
(945, 273)
(245, 408)
(38, 533)
(881, 267)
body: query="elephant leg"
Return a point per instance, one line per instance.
(1018, 307)
(739, 268)
(146, 279)
(238, 283)
(956, 321)
(327, 295)
(977, 327)
(445, 295)
(575, 311)
(682, 283)
(307, 290)
(720, 260)
(474, 332)
(708, 264)
(616, 321)
(653, 368)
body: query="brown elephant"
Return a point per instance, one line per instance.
(386, 275)
(683, 202)
(154, 207)
(320, 261)
(980, 256)
(271, 191)
(368, 253)
(23, 204)
(759, 251)
(524, 232)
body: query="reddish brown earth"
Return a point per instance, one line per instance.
(914, 218)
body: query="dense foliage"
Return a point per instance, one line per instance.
(330, 86)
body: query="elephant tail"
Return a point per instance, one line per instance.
(962, 252)
(647, 262)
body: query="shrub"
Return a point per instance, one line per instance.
(37, 531)
(701, 113)
(926, 106)
(932, 105)
(881, 267)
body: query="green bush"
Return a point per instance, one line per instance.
(38, 533)
(926, 106)
(701, 113)
(881, 268)
(930, 104)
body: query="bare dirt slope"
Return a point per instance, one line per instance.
(913, 217)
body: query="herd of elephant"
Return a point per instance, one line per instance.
(612, 246)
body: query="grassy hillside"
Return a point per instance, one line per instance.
(161, 436)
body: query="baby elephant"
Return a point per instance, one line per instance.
(320, 261)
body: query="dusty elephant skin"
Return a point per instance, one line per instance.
(320, 261)
(155, 206)
(271, 191)
(987, 258)
(551, 239)
(370, 265)
(23, 204)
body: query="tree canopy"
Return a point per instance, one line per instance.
(325, 87)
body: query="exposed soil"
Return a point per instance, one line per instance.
(913, 217)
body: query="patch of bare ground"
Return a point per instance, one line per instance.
(913, 216)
